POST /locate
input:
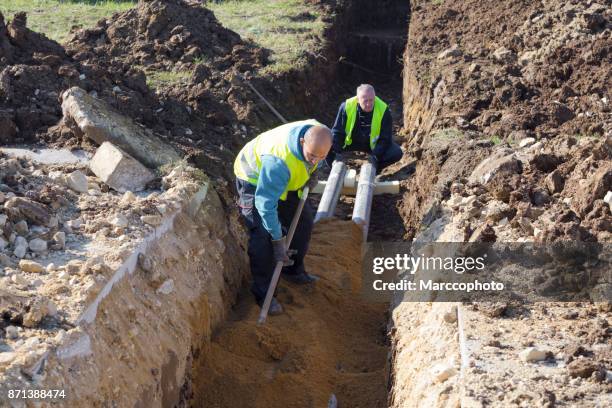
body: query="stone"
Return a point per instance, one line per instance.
(450, 316)
(582, 367)
(38, 245)
(5, 260)
(503, 54)
(502, 162)
(119, 221)
(74, 266)
(21, 246)
(166, 288)
(20, 280)
(119, 170)
(38, 311)
(555, 182)
(128, 198)
(7, 357)
(532, 354)
(101, 123)
(153, 220)
(3, 243)
(451, 52)
(442, 372)
(528, 141)
(3, 219)
(77, 181)
(60, 239)
(21, 228)
(51, 267)
(30, 266)
(11, 332)
(31, 210)
(484, 233)
(608, 198)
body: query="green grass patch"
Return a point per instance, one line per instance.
(160, 79)
(288, 28)
(55, 18)
(448, 133)
(496, 140)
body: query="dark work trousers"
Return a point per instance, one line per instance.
(260, 241)
(389, 156)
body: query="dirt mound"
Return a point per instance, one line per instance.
(169, 65)
(328, 341)
(537, 68)
(165, 35)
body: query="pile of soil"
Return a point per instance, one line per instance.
(203, 110)
(534, 69)
(328, 341)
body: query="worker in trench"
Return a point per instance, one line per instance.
(364, 124)
(271, 171)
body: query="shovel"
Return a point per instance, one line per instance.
(279, 265)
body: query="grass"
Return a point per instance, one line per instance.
(496, 140)
(55, 18)
(448, 133)
(275, 25)
(158, 79)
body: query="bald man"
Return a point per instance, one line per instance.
(364, 124)
(271, 171)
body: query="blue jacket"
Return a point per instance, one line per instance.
(273, 178)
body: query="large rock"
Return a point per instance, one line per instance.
(32, 210)
(119, 170)
(101, 123)
(500, 162)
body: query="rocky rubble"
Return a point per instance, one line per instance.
(64, 232)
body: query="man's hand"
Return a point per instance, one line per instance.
(279, 248)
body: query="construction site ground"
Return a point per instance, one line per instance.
(140, 298)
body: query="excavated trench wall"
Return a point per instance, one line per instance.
(136, 340)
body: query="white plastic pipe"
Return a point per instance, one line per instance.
(363, 199)
(331, 193)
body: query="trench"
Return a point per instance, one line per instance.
(329, 341)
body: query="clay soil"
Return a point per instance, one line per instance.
(328, 341)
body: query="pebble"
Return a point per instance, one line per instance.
(74, 266)
(60, 239)
(120, 221)
(528, 141)
(5, 260)
(77, 181)
(7, 357)
(531, 354)
(128, 198)
(11, 332)
(21, 228)
(166, 288)
(30, 266)
(442, 372)
(38, 245)
(19, 280)
(451, 315)
(3, 243)
(3, 219)
(21, 245)
(153, 220)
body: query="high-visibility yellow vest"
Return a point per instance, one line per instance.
(350, 106)
(247, 165)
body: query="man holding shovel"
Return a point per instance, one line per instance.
(271, 171)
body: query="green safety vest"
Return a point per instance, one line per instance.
(350, 107)
(274, 142)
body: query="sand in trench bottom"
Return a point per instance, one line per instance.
(328, 340)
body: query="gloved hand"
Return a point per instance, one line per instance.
(313, 180)
(279, 248)
(339, 157)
